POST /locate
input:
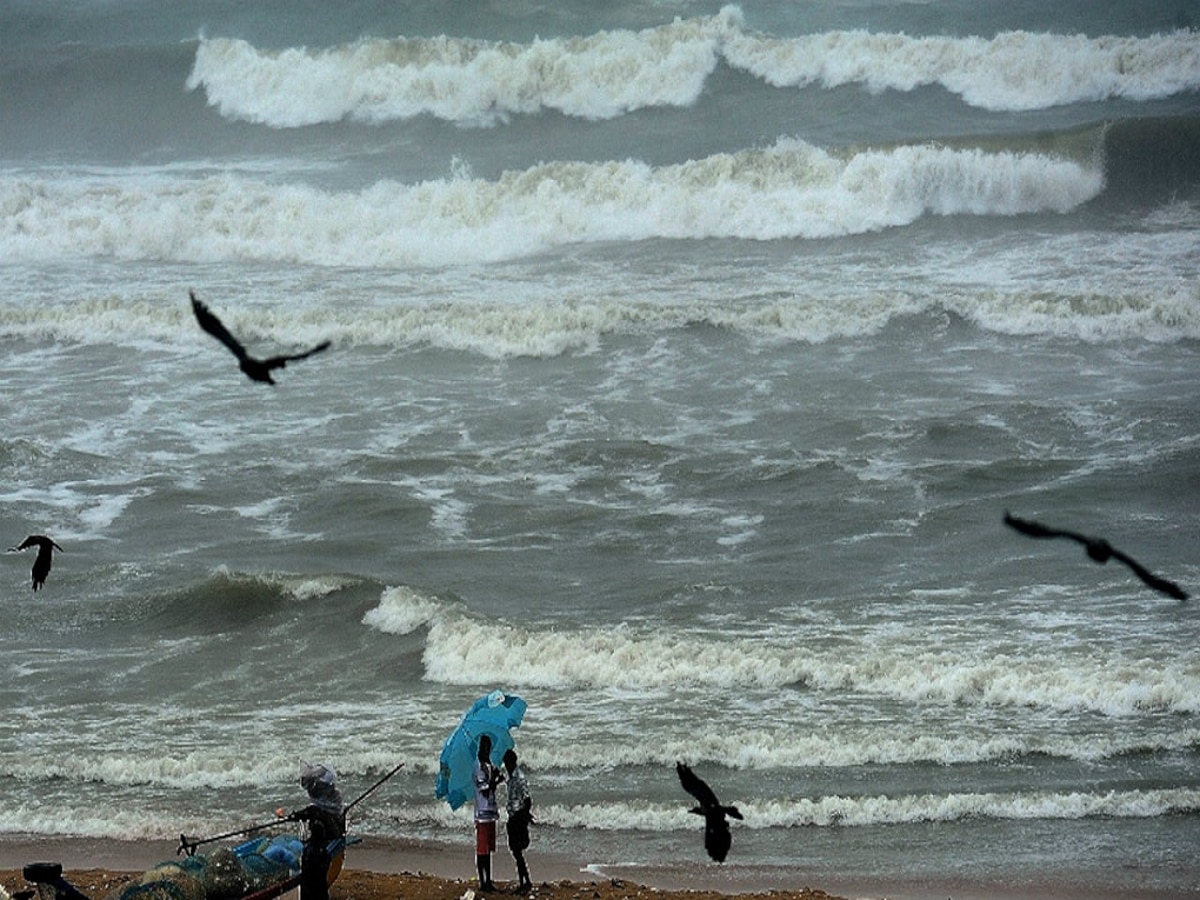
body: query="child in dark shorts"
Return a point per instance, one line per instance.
(519, 805)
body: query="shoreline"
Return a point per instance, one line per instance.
(393, 868)
(399, 856)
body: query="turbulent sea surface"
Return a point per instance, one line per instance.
(685, 360)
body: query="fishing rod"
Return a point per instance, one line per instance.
(189, 845)
(371, 789)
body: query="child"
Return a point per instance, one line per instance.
(487, 776)
(519, 805)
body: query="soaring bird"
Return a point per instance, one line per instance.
(256, 369)
(716, 829)
(41, 564)
(1099, 550)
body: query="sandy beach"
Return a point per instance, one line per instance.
(362, 885)
(378, 869)
(388, 870)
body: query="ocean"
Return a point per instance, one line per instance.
(685, 360)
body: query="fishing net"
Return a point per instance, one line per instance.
(222, 875)
(230, 875)
(167, 881)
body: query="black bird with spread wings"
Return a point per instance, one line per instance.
(1099, 550)
(41, 563)
(256, 369)
(716, 830)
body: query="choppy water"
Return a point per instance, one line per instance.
(686, 358)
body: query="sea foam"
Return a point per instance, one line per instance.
(849, 811)
(790, 190)
(1013, 71)
(471, 82)
(885, 810)
(632, 815)
(610, 73)
(458, 647)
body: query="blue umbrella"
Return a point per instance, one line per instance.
(492, 715)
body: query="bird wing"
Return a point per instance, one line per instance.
(44, 549)
(40, 541)
(278, 362)
(694, 785)
(30, 541)
(1032, 529)
(210, 323)
(1104, 551)
(717, 838)
(1169, 588)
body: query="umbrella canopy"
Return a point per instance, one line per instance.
(492, 715)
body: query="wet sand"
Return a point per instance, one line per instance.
(377, 869)
(391, 870)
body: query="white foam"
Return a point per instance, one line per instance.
(646, 816)
(458, 649)
(610, 73)
(308, 587)
(402, 610)
(1014, 70)
(196, 769)
(874, 810)
(740, 529)
(789, 190)
(466, 81)
(1141, 286)
(843, 745)
(854, 811)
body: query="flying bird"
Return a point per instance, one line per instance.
(41, 564)
(256, 369)
(716, 830)
(1099, 550)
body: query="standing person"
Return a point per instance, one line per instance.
(324, 799)
(314, 863)
(519, 805)
(487, 776)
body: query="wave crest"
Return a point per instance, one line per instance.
(789, 190)
(471, 82)
(461, 650)
(1013, 71)
(866, 810)
(611, 73)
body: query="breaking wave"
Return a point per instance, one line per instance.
(787, 191)
(458, 648)
(610, 73)
(616, 816)
(548, 326)
(885, 810)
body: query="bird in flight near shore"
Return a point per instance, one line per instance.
(255, 369)
(716, 830)
(1099, 550)
(41, 563)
